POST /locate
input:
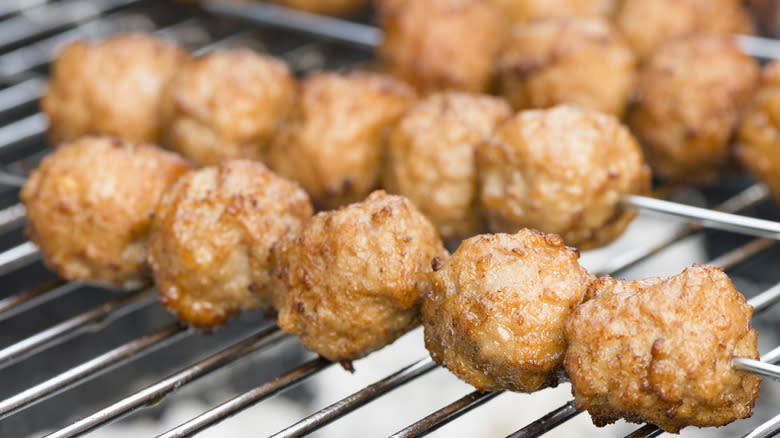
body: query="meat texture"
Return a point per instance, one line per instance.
(528, 10)
(328, 7)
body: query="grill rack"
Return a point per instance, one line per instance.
(30, 32)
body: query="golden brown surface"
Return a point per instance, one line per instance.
(90, 205)
(690, 93)
(566, 60)
(430, 158)
(111, 87)
(332, 143)
(329, 7)
(440, 44)
(347, 285)
(649, 23)
(659, 351)
(526, 10)
(212, 236)
(562, 171)
(495, 311)
(226, 105)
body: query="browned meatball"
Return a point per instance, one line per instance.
(348, 284)
(430, 158)
(690, 94)
(90, 205)
(767, 14)
(495, 310)
(111, 87)
(212, 236)
(332, 143)
(659, 351)
(559, 60)
(441, 44)
(648, 24)
(226, 105)
(329, 7)
(561, 170)
(526, 10)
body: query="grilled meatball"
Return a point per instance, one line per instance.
(226, 105)
(494, 312)
(659, 351)
(347, 284)
(90, 205)
(648, 24)
(691, 91)
(527, 10)
(212, 235)
(576, 60)
(562, 171)
(430, 158)
(332, 143)
(441, 44)
(111, 87)
(329, 7)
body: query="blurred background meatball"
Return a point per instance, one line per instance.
(767, 14)
(430, 158)
(90, 205)
(329, 7)
(212, 235)
(527, 10)
(347, 285)
(576, 60)
(226, 105)
(494, 312)
(111, 87)
(562, 171)
(440, 44)
(691, 91)
(332, 142)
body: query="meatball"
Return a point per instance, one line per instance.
(111, 87)
(430, 158)
(226, 105)
(690, 94)
(527, 10)
(212, 236)
(494, 312)
(659, 351)
(441, 44)
(648, 24)
(561, 170)
(329, 7)
(90, 205)
(347, 285)
(558, 60)
(332, 142)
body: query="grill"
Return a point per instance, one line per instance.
(74, 359)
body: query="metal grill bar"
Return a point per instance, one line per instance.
(446, 414)
(756, 367)
(18, 256)
(48, 291)
(548, 422)
(9, 7)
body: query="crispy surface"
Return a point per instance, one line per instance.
(90, 205)
(111, 87)
(440, 44)
(562, 171)
(430, 158)
(527, 10)
(347, 284)
(329, 7)
(567, 60)
(226, 105)
(332, 143)
(212, 236)
(494, 312)
(690, 93)
(659, 351)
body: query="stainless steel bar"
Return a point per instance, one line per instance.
(248, 399)
(8, 7)
(16, 304)
(744, 252)
(548, 422)
(766, 430)
(765, 299)
(446, 414)
(22, 130)
(21, 93)
(154, 393)
(9, 179)
(759, 47)
(12, 217)
(756, 367)
(772, 356)
(18, 256)
(646, 431)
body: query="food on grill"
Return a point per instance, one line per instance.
(690, 93)
(527, 10)
(332, 142)
(90, 205)
(649, 23)
(330, 7)
(440, 44)
(495, 310)
(212, 235)
(659, 351)
(347, 285)
(226, 105)
(559, 60)
(561, 170)
(430, 158)
(767, 14)
(111, 87)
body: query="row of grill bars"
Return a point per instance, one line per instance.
(10, 260)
